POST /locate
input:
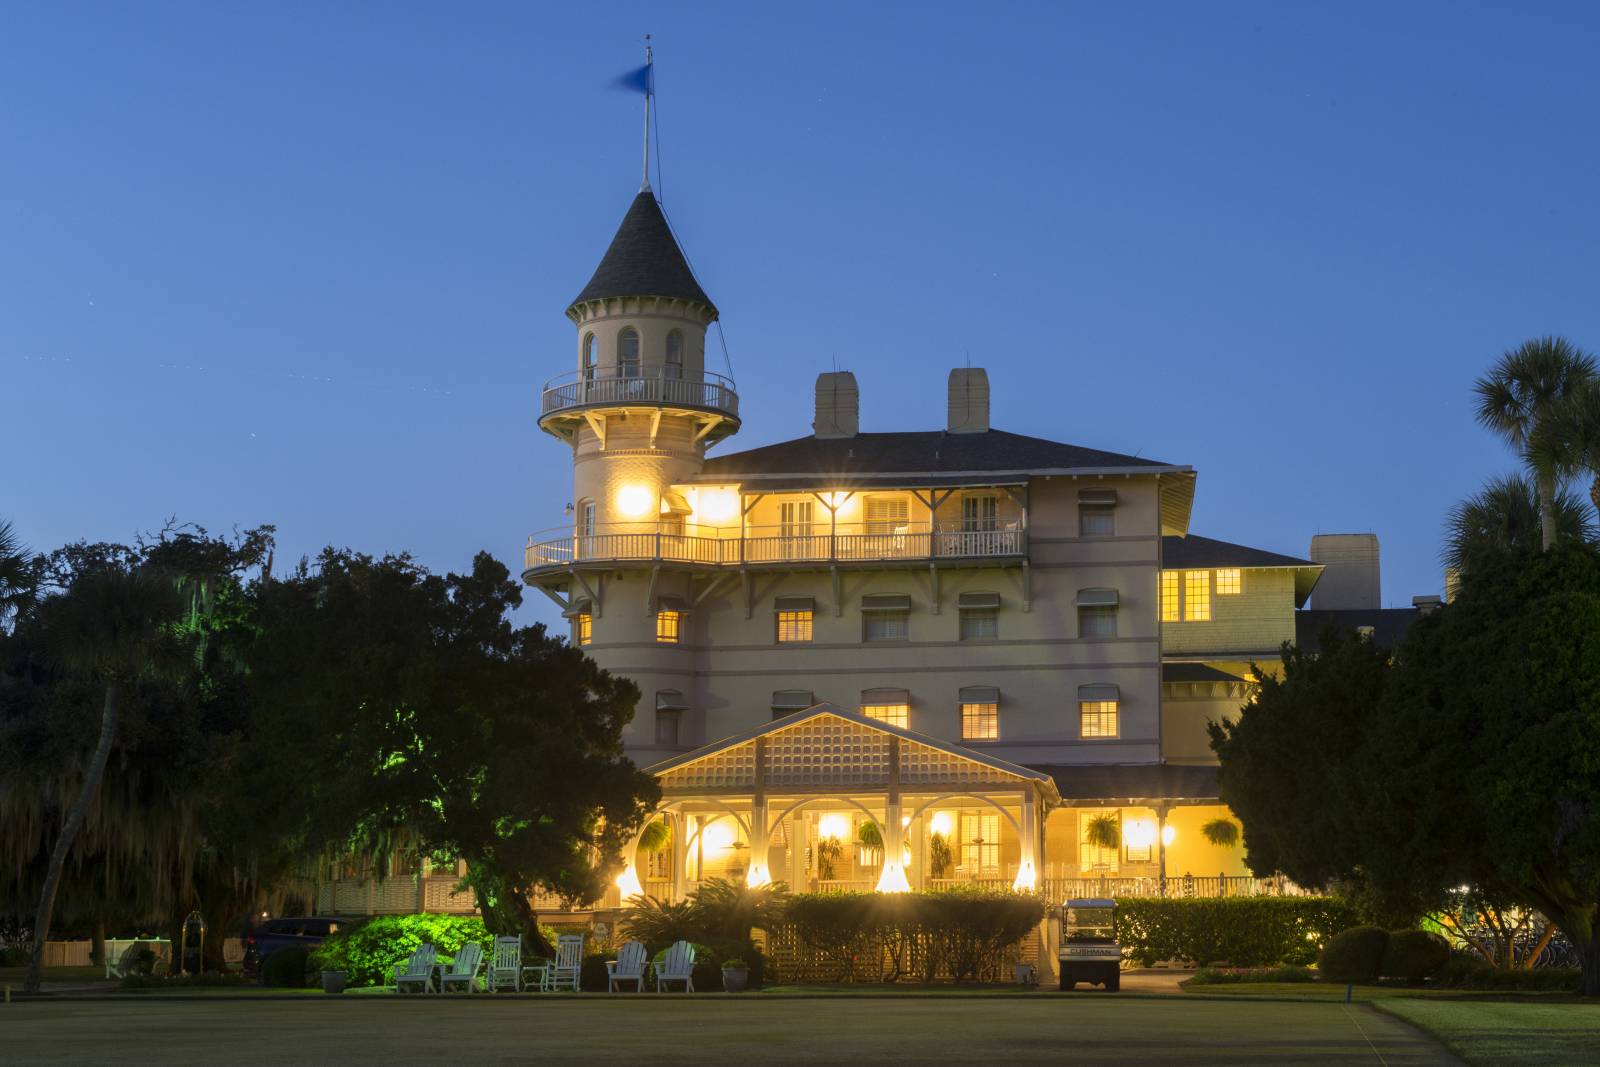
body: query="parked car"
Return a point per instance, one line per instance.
(274, 934)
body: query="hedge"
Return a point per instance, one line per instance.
(961, 935)
(1354, 955)
(1235, 931)
(289, 967)
(1414, 955)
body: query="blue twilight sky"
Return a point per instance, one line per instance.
(306, 263)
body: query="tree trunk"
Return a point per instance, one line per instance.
(69, 830)
(97, 947)
(1589, 986)
(1547, 509)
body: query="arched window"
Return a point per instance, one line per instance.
(674, 367)
(628, 353)
(586, 518)
(591, 356)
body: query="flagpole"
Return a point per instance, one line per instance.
(647, 87)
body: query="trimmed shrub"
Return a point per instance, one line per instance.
(288, 967)
(592, 975)
(1235, 975)
(15, 956)
(1414, 955)
(1356, 955)
(1239, 931)
(1464, 971)
(956, 934)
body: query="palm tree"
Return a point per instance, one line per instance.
(112, 625)
(18, 575)
(1572, 434)
(1504, 516)
(1516, 399)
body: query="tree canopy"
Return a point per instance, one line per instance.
(1470, 757)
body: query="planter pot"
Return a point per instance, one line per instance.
(1025, 974)
(735, 979)
(333, 981)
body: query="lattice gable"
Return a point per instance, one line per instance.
(830, 750)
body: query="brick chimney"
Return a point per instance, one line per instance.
(968, 391)
(838, 405)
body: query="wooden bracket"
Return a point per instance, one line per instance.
(597, 423)
(655, 426)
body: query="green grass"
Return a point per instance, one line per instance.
(15, 976)
(1557, 1030)
(707, 1030)
(1361, 994)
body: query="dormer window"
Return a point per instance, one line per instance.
(628, 353)
(674, 366)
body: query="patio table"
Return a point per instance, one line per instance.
(543, 970)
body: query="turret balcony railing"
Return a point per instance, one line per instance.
(607, 387)
(817, 543)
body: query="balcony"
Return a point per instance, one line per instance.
(717, 547)
(575, 391)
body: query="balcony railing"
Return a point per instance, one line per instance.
(607, 388)
(852, 542)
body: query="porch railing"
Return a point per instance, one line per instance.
(677, 543)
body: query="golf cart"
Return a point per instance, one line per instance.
(1089, 949)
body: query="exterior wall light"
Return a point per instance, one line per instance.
(633, 501)
(1139, 833)
(1169, 834)
(717, 838)
(715, 506)
(941, 823)
(628, 883)
(834, 826)
(1027, 879)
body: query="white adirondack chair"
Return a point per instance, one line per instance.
(569, 962)
(627, 967)
(465, 970)
(505, 969)
(677, 966)
(417, 974)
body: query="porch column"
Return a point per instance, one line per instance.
(680, 855)
(758, 873)
(797, 852)
(1027, 879)
(893, 878)
(1161, 846)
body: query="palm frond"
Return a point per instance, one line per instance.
(1503, 517)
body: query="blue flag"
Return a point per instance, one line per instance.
(642, 80)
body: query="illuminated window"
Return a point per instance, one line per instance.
(583, 627)
(628, 353)
(669, 626)
(1230, 581)
(893, 714)
(1097, 718)
(980, 843)
(887, 514)
(667, 727)
(980, 722)
(1097, 620)
(794, 626)
(1196, 596)
(674, 367)
(1169, 596)
(794, 518)
(586, 518)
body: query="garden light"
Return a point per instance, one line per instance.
(1027, 879)
(628, 883)
(893, 879)
(757, 876)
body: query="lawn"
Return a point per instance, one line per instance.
(1361, 994)
(1509, 1031)
(712, 1029)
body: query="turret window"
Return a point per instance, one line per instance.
(628, 353)
(586, 518)
(591, 356)
(674, 367)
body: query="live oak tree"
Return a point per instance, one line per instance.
(1472, 758)
(426, 717)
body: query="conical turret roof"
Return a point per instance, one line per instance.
(644, 260)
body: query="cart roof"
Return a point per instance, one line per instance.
(1091, 902)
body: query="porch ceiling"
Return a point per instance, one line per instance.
(826, 748)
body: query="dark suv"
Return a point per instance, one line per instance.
(273, 934)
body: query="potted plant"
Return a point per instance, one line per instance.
(1224, 833)
(334, 977)
(870, 838)
(940, 858)
(735, 975)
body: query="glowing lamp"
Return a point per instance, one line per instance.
(714, 506)
(633, 501)
(628, 883)
(893, 879)
(757, 876)
(1169, 834)
(905, 820)
(717, 838)
(1139, 833)
(1027, 879)
(941, 823)
(834, 826)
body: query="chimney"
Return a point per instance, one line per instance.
(969, 401)
(1350, 572)
(1425, 604)
(838, 405)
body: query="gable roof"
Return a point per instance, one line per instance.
(725, 766)
(921, 452)
(644, 260)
